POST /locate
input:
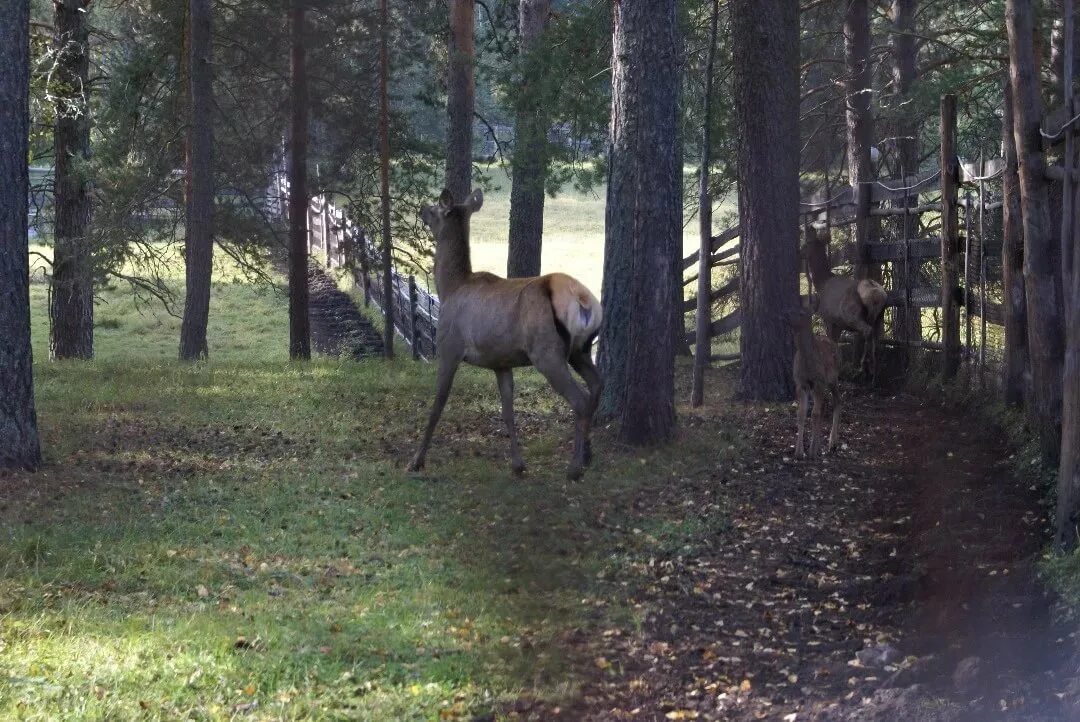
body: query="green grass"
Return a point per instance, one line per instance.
(238, 538)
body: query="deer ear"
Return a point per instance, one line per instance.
(446, 199)
(475, 201)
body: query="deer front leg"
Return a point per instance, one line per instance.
(815, 434)
(834, 433)
(448, 366)
(804, 400)
(583, 364)
(505, 378)
(554, 369)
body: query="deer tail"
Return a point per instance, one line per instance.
(576, 309)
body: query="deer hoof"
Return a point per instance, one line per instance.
(416, 465)
(518, 467)
(588, 452)
(574, 472)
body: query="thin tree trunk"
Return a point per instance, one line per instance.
(199, 229)
(908, 325)
(858, 88)
(460, 89)
(530, 161)
(1015, 367)
(19, 446)
(766, 54)
(384, 178)
(71, 307)
(703, 345)
(1042, 276)
(299, 324)
(643, 222)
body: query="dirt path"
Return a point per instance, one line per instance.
(893, 581)
(337, 326)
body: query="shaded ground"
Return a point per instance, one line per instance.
(894, 580)
(337, 326)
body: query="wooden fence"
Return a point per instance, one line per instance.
(341, 242)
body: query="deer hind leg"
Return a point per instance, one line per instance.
(815, 434)
(804, 401)
(583, 364)
(505, 377)
(835, 432)
(448, 366)
(553, 367)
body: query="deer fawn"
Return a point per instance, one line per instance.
(816, 370)
(499, 324)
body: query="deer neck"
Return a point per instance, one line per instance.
(453, 264)
(804, 339)
(818, 262)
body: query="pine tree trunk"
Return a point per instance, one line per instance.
(299, 325)
(1042, 277)
(199, 230)
(908, 325)
(766, 54)
(19, 446)
(530, 159)
(643, 223)
(460, 87)
(858, 87)
(384, 179)
(71, 307)
(1015, 366)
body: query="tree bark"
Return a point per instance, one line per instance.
(199, 229)
(71, 307)
(703, 341)
(530, 161)
(1015, 367)
(384, 179)
(908, 327)
(460, 87)
(858, 88)
(299, 324)
(643, 223)
(1042, 277)
(19, 446)
(766, 53)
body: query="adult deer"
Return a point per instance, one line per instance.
(844, 303)
(500, 324)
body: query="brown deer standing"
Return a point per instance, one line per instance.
(844, 303)
(816, 370)
(499, 324)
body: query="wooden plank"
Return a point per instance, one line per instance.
(726, 290)
(921, 297)
(720, 326)
(970, 172)
(692, 259)
(908, 211)
(918, 249)
(893, 190)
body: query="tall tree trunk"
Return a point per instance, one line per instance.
(908, 326)
(384, 179)
(643, 222)
(530, 161)
(1015, 367)
(71, 307)
(766, 53)
(199, 230)
(703, 340)
(460, 88)
(858, 89)
(299, 324)
(1042, 277)
(19, 446)
(1068, 490)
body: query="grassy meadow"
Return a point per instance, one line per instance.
(238, 538)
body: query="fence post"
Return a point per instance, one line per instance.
(414, 327)
(950, 311)
(364, 265)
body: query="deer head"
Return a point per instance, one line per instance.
(449, 223)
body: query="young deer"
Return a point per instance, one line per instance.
(816, 370)
(499, 324)
(844, 303)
